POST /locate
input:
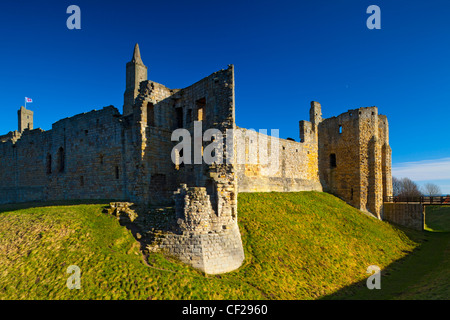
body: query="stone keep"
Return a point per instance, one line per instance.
(105, 154)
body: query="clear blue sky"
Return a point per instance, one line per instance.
(286, 54)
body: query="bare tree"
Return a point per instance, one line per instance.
(410, 188)
(430, 189)
(396, 186)
(405, 187)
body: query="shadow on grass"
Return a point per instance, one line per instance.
(41, 204)
(410, 276)
(398, 280)
(151, 220)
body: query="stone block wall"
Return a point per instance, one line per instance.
(355, 158)
(206, 204)
(25, 118)
(293, 167)
(11, 136)
(193, 210)
(79, 158)
(410, 215)
(159, 111)
(266, 163)
(209, 242)
(213, 252)
(386, 155)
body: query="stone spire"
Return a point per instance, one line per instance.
(137, 55)
(135, 74)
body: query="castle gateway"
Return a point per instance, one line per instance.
(108, 155)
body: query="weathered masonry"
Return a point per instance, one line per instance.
(410, 211)
(355, 157)
(105, 154)
(348, 156)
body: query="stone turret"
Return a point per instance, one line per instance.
(309, 129)
(315, 113)
(135, 74)
(25, 118)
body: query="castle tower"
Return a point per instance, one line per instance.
(25, 119)
(135, 74)
(309, 129)
(355, 158)
(315, 113)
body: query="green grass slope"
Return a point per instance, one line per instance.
(310, 245)
(437, 218)
(423, 275)
(306, 245)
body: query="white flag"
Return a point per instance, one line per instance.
(28, 100)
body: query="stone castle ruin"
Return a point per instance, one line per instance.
(104, 154)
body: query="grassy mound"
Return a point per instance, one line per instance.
(304, 245)
(437, 218)
(309, 245)
(423, 275)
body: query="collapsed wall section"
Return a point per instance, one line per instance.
(208, 236)
(159, 112)
(153, 179)
(204, 240)
(266, 163)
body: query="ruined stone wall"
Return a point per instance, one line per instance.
(215, 252)
(159, 111)
(386, 155)
(354, 158)
(79, 158)
(208, 236)
(267, 163)
(151, 127)
(92, 144)
(211, 101)
(103, 154)
(339, 157)
(20, 179)
(293, 167)
(203, 240)
(12, 136)
(410, 215)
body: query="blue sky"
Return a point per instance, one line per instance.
(286, 54)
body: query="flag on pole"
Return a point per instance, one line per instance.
(28, 100)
